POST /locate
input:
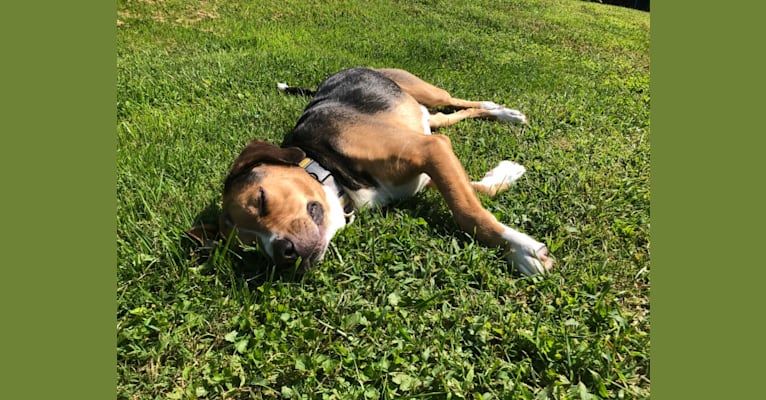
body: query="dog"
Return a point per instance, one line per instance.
(365, 140)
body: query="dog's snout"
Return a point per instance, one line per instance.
(284, 252)
(287, 253)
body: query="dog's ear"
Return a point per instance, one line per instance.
(260, 152)
(203, 234)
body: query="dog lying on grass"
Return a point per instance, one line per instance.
(364, 140)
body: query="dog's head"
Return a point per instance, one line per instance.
(269, 199)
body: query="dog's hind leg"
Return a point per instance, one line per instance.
(432, 96)
(440, 120)
(499, 178)
(428, 94)
(496, 180)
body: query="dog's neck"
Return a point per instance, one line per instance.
(323, 176)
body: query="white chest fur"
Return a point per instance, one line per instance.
(385, 193)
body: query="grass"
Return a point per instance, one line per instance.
(404, 305)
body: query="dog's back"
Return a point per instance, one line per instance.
(363, 89)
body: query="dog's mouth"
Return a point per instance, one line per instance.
(287, 251)
(296, 253)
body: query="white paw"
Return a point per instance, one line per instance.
(501, 176)
(508, 115)
(490, 105)
(526, 254)
(531, 262)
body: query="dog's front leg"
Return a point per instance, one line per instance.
(448, 175)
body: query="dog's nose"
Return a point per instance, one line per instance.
(284, 252)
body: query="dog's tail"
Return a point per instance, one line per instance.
(295, 91)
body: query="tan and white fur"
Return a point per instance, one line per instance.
(371, 130)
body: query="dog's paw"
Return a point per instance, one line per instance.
(529, 260)
(490, 105)
(526, 254)
(508, 115)
(505, 172)
(500, 177)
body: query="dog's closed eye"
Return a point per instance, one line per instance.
(262, 203)
(259, 203)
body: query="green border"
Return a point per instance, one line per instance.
(707, 100)
(58, 162)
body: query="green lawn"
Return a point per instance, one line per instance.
(404, 304)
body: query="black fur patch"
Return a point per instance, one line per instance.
(342, 97)
(361, 88)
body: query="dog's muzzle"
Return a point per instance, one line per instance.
(288, 253)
